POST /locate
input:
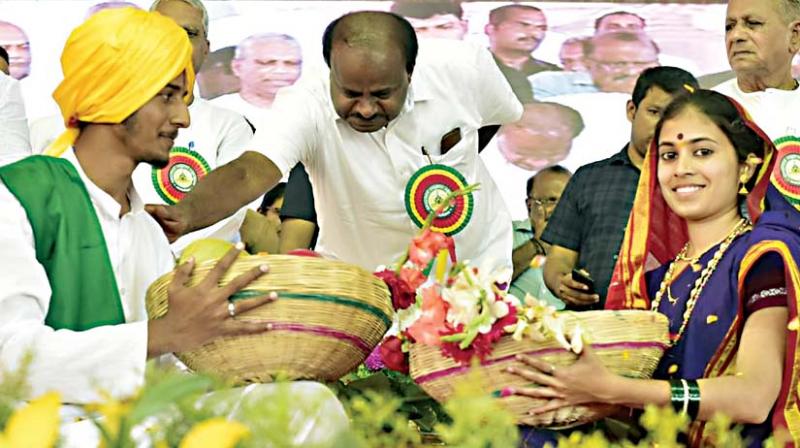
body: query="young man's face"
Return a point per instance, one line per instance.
(151, 131)
(523, 30)
(645, 117)
(440, 26)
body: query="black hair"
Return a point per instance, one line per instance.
(272, 195)
(722, 112)
(4, 55)
(408, 38)
(503, 13)
(555, 169)
(600, 19)
(425, 10)
(671, 80)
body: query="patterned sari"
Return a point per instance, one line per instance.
(710, 342)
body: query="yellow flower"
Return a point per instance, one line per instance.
(216, 432)
(34, 426)
(113, 411)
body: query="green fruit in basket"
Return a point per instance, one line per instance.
(207, 249)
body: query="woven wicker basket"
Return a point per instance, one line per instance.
(327, 319)
(630, 343)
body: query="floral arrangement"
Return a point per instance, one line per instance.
(462, 309)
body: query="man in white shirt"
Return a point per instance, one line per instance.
(264, 64)
(613, 60)
(379, 143)
(79, 251)
(215, 136)
(761, 38)
(14, 144)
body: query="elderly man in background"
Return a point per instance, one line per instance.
(613, 62)
(541, 138)
(264, 64)
(761, 39)
(14, 40)
(530, 253)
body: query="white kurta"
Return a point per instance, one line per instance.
(776, 111)
(360, 179)
(78, 364)
(14, 143)
(215, 137)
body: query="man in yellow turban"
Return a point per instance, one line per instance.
(79, 251)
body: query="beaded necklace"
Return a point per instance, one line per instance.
(741, 227)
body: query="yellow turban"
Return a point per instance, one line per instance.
(114, 63)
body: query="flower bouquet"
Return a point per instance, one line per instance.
(450, 316)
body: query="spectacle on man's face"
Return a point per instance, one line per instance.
(439, 26)
(16, 43)
(616, 65)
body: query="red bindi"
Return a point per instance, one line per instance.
(680, 136)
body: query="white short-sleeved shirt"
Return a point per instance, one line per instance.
(360, 179)
(234, 102)
(509, 178)
(776, 111)
(215, 137)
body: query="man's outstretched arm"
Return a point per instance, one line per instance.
(218, 195)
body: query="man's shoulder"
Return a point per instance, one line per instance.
(728, 87)
(205, 113)
(597, 168)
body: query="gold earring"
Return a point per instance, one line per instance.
(743, 182)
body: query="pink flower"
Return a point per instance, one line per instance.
(428, 327)
(403, 295)
(483, 344)
(414, 277)
(391, 350)
(425, 246)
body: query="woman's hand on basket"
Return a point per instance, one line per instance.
(198, 314)
(585, 381)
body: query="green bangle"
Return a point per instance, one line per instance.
(678, 396)
(694, 399)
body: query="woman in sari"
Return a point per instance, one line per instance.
(728, 289)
